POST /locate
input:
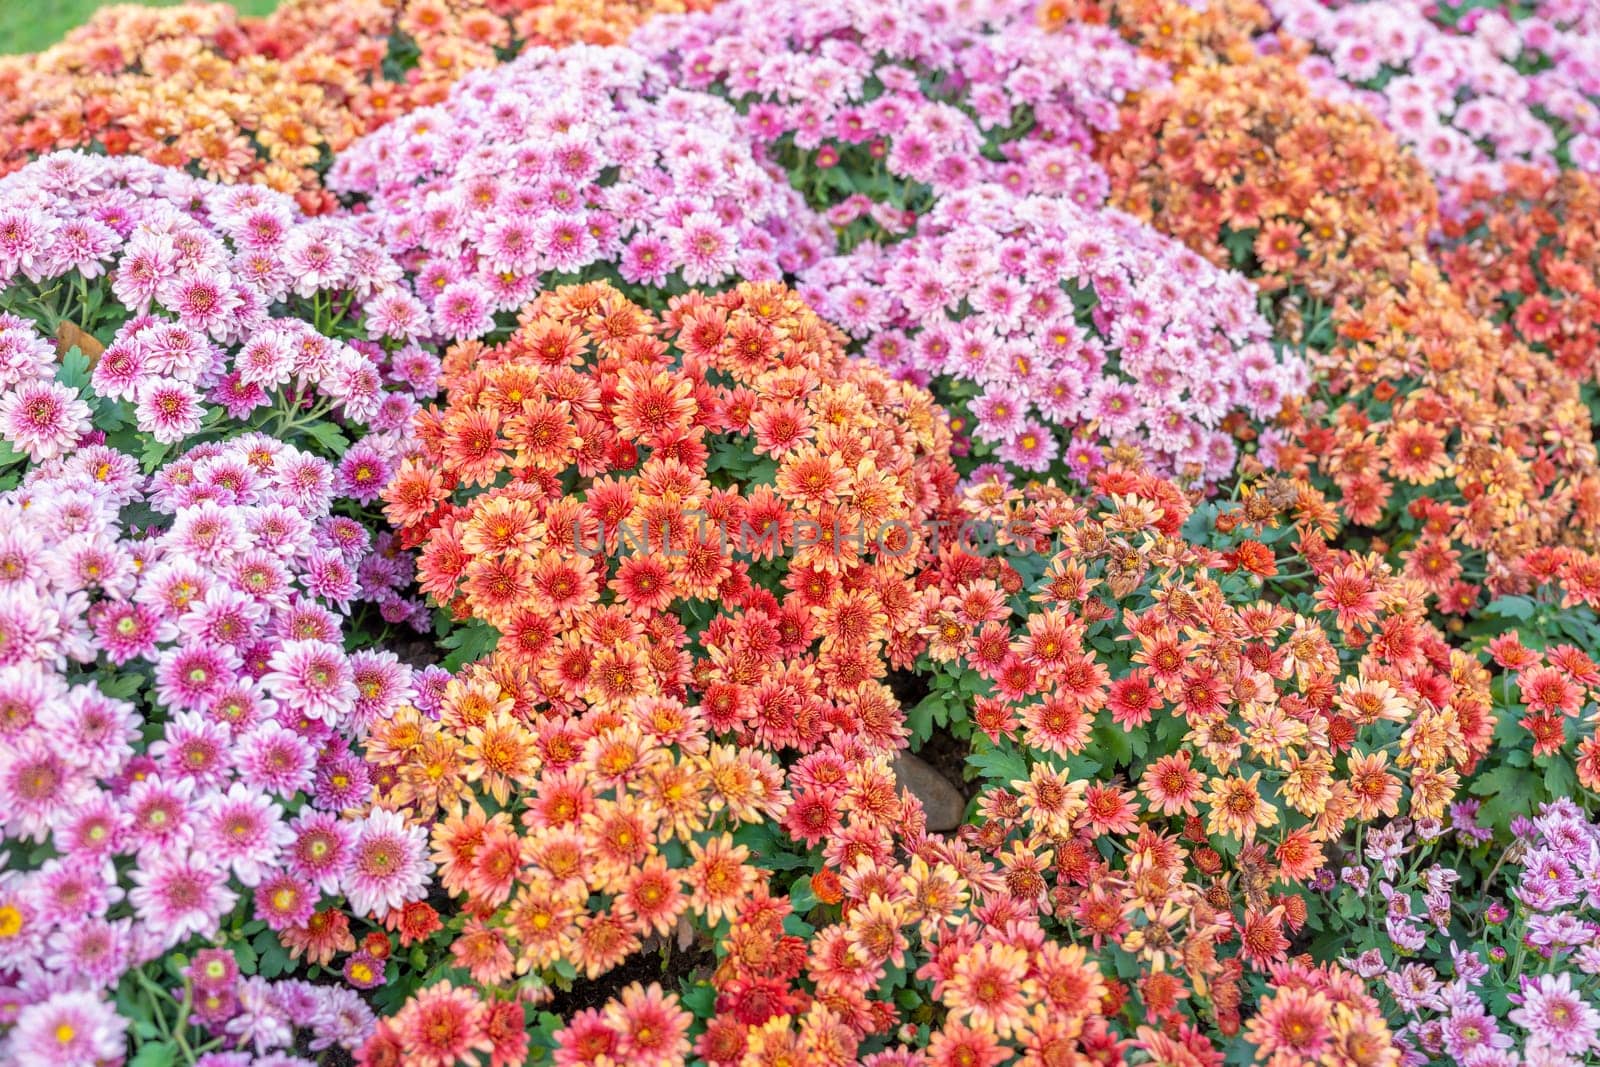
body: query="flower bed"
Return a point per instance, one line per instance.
(880, 533)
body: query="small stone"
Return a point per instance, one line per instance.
(943, 802)
(685, 933)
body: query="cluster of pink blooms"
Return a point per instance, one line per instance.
(567, 160)
(177, 714)
(1466, 98)
(190, 274)
(941, 96)
(1500, 985)
(1062, 329)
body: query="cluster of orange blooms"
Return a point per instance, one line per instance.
(1549, 665)
(609, 490)
(624, 829)
(579, 838)
(1257, 724)
(1454, 450)
(585, 802)
(268, 100)
(1528, 257)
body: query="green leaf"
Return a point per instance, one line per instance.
(1000, 765)
(154, 452)
(273, 960)
(700, 998)
(802, 896)
(1560, 778)
(158, 1054)
(1505, 791)
(247, 957)
(1512, 607)
(1113, 741)
(470, 642)
(329, 437)
(74, 372)
(932, 710)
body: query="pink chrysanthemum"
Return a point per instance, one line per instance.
(169, 410)
(43, 418)
(69, 1029)
(388, 864)
(244, 831)
(177, 895)
(314, 678)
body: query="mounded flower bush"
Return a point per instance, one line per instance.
(271, 100)
(1054, 332)
(1528, 258)
(182, 309)
(576, 165)
(1467, 95)
(875, 108)
(180, 777)
(1427, 429)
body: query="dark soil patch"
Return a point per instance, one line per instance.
(645, 966)
(908, 688)
(943, 751)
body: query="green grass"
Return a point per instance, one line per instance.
(32, 25)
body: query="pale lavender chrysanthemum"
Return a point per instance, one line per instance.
(43, 419)
(705, 249)
(1556, 1016)
(95, 951)
(646, 260)
(1032, 448)
(275, 759)
(160, 815)
(37, 786)
(95, 828)
(464, 310)
(194, 747)
(84, 245)
(388, 864)
(68, 1029)
(321, 849)
(169, 410)
(26, 233)
(355, 383)
(224, 616)
(68, 890)
(148, 262)
(306, 484)
(314, 678)
(180, 894)
(208, 533)
(267, 359)
(245, 831)
(329, 577)
(91, 729)
(383, 684)
(260, 1020)
(342, 1018)
(189, 676)
(204, 299)
(315, 258)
